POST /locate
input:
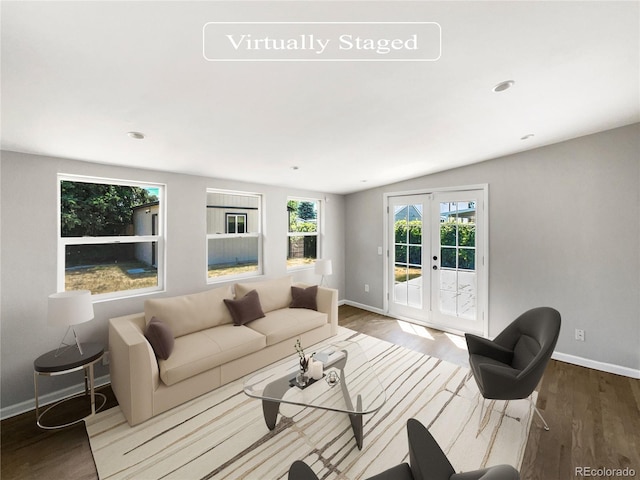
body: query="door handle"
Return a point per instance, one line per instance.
(435, 267)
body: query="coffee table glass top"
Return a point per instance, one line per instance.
(357, 390)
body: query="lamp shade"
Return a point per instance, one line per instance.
(70, 308)
(323, 267)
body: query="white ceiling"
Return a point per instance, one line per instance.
(76, 76)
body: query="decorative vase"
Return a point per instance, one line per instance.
(302, 379)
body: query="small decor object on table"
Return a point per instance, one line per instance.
(332, 378)
(315, 369)
(302, 378)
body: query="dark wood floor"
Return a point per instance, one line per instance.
(594, 417)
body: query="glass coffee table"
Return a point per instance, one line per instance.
(349, 385)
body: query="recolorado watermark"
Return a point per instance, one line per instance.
(605, 472)
(322, 41)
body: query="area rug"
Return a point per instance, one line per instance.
(222, 435)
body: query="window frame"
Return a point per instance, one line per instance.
(236, 216)
(248, 234)
(318, 233)
(159, 237)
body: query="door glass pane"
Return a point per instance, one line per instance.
(466, 259)
(415, 232)
(448, 233)
(467, 289)
(458, 288)
(447, 257)
(408, 255)
(401, 223)
(415, 256)
(467, 235)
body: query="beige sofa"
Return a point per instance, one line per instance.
(209, 350)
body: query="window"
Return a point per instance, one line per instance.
(234, 237)
(236, 223)
(110, 236)
(303, 221)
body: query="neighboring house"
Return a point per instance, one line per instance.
(145, 222)
(412, 211)
(466, 215)
(231, 219)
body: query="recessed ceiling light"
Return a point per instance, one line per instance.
(502, 86)
(527, 136)
(136, 135)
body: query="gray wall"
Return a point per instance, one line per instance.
(563, 231)
(29, 245)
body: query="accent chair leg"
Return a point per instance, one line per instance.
(481, 415)
(546, 427)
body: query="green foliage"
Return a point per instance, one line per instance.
(466, 257)
(299, 212)
(306, 211)
(94, 209)
(453, 253)
(410, 232)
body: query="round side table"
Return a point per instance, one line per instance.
(70, 360)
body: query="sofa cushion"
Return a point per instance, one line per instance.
(304, 297)
(191, 313)
(285, 323)
(245, 309)
(274, 294)
(160, 337)
(201, 351)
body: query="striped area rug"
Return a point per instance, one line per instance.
(222, 435)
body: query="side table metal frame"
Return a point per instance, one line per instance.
(89, 389)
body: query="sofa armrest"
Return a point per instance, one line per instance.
(133, 367)
(327, 300)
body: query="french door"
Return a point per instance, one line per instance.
(436, 268)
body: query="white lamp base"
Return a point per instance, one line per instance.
(66, 346)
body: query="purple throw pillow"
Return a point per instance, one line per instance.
(245, 309)
(304, 297)
(160, 337)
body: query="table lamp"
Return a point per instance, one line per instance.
(69, 309)
(323, 267)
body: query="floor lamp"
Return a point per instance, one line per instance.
(67, 309)
(323, 267)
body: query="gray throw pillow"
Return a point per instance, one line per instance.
(160, 337)
(245, 309)
(304, 297)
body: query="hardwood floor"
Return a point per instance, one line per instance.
(594, 417)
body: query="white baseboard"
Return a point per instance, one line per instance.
(364, 307)
(596, 365)
(48, 399)
(563, 357)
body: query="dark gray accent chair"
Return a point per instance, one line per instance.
(427, 461)
(511, 366)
